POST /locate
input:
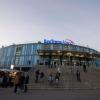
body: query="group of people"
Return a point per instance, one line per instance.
(51, 77)
(22, 79)
(5, 80)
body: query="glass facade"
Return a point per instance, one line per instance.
(28, 55)
(7, 56)
(25, 54)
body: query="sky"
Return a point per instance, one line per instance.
(24, 21)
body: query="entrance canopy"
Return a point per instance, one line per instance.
(67, 53)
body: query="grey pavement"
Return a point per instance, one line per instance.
(7, 94)
(88, 89)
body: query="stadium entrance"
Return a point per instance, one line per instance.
(55, 58)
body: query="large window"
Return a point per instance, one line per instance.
(46, 47)
(33, 49)
(18, 50)
(77, 48)
(17, 60)
(70, 47)
(23, 50)
(65, 47)
(56, 47)
(86, 50)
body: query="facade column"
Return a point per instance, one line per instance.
(61, 59)
(50, 57)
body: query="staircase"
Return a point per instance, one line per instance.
(67, 79)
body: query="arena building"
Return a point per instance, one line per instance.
(48, 52)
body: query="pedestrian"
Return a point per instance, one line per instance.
(57, 79)
(84, 68)
(1, 80)
(10, 81)
(41, 76)
(50, 79)
(26, 81)
(5, 81)
(59, 71)
(22, 81)
(78, 75)
(17, 82)
(37, 72)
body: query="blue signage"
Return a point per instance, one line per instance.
(52, 41)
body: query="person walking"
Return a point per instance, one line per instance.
(84, 68)
(42, 76)
(50, 79)
(22, 81)
(26, 81)
(78, 75)
(5, 81)
(17, 82)
(59, 71)
(37, 75)
(57, 79)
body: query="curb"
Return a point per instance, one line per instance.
(97, 88)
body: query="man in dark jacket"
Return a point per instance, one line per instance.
(84, 68)
(78, 75)
(26, 81)
(37, 75)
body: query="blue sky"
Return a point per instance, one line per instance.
(24, 21)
